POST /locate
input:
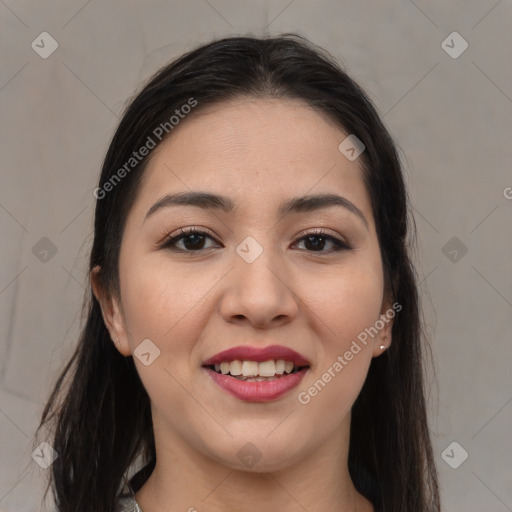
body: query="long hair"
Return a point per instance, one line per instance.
(98, 409)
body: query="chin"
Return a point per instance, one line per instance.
(263, 457)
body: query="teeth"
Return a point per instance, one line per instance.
(265, 369)
(235, 367)
(250, 369)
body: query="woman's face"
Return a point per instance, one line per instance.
(260, 277)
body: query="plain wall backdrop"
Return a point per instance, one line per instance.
(449, 108)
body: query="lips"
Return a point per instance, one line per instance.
(257, 389)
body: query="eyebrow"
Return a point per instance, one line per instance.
(209, 201)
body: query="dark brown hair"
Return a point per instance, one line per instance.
(102, 423)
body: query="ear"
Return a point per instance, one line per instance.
(112, 313)
(383, 340)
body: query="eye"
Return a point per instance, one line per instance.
(192, 238)
(194, 241)
(316, 240)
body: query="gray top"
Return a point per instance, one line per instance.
(127, 504)
(126, 501)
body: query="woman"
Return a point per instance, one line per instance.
(253, 336)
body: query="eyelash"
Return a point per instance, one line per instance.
(170, 242)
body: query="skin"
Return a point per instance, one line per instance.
(259, 152)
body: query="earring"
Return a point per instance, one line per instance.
(117, 340)
(382, 347)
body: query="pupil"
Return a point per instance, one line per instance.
(197, 241)
(316, 245)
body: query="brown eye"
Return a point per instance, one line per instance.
(316, 242)
(193, 241)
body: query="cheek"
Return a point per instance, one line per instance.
(157, 298)
(345, 308)
(165, 307)
(169, 306)
(355, 306)
(347, 301)
(345, 304)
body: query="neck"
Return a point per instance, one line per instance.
(186, 480)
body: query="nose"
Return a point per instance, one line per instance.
(259, 293)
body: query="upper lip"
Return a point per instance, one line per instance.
(258, 354)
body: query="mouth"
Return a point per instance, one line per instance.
(254, 371)
(256, 381)
(257, 374)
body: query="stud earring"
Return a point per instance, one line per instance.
(117, 340)
(382, 347)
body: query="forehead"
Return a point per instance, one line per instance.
(254, 149)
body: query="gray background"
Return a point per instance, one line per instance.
(451, 117)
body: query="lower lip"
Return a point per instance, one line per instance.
(261, 391)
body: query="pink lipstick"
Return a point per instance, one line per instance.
(257, 374)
